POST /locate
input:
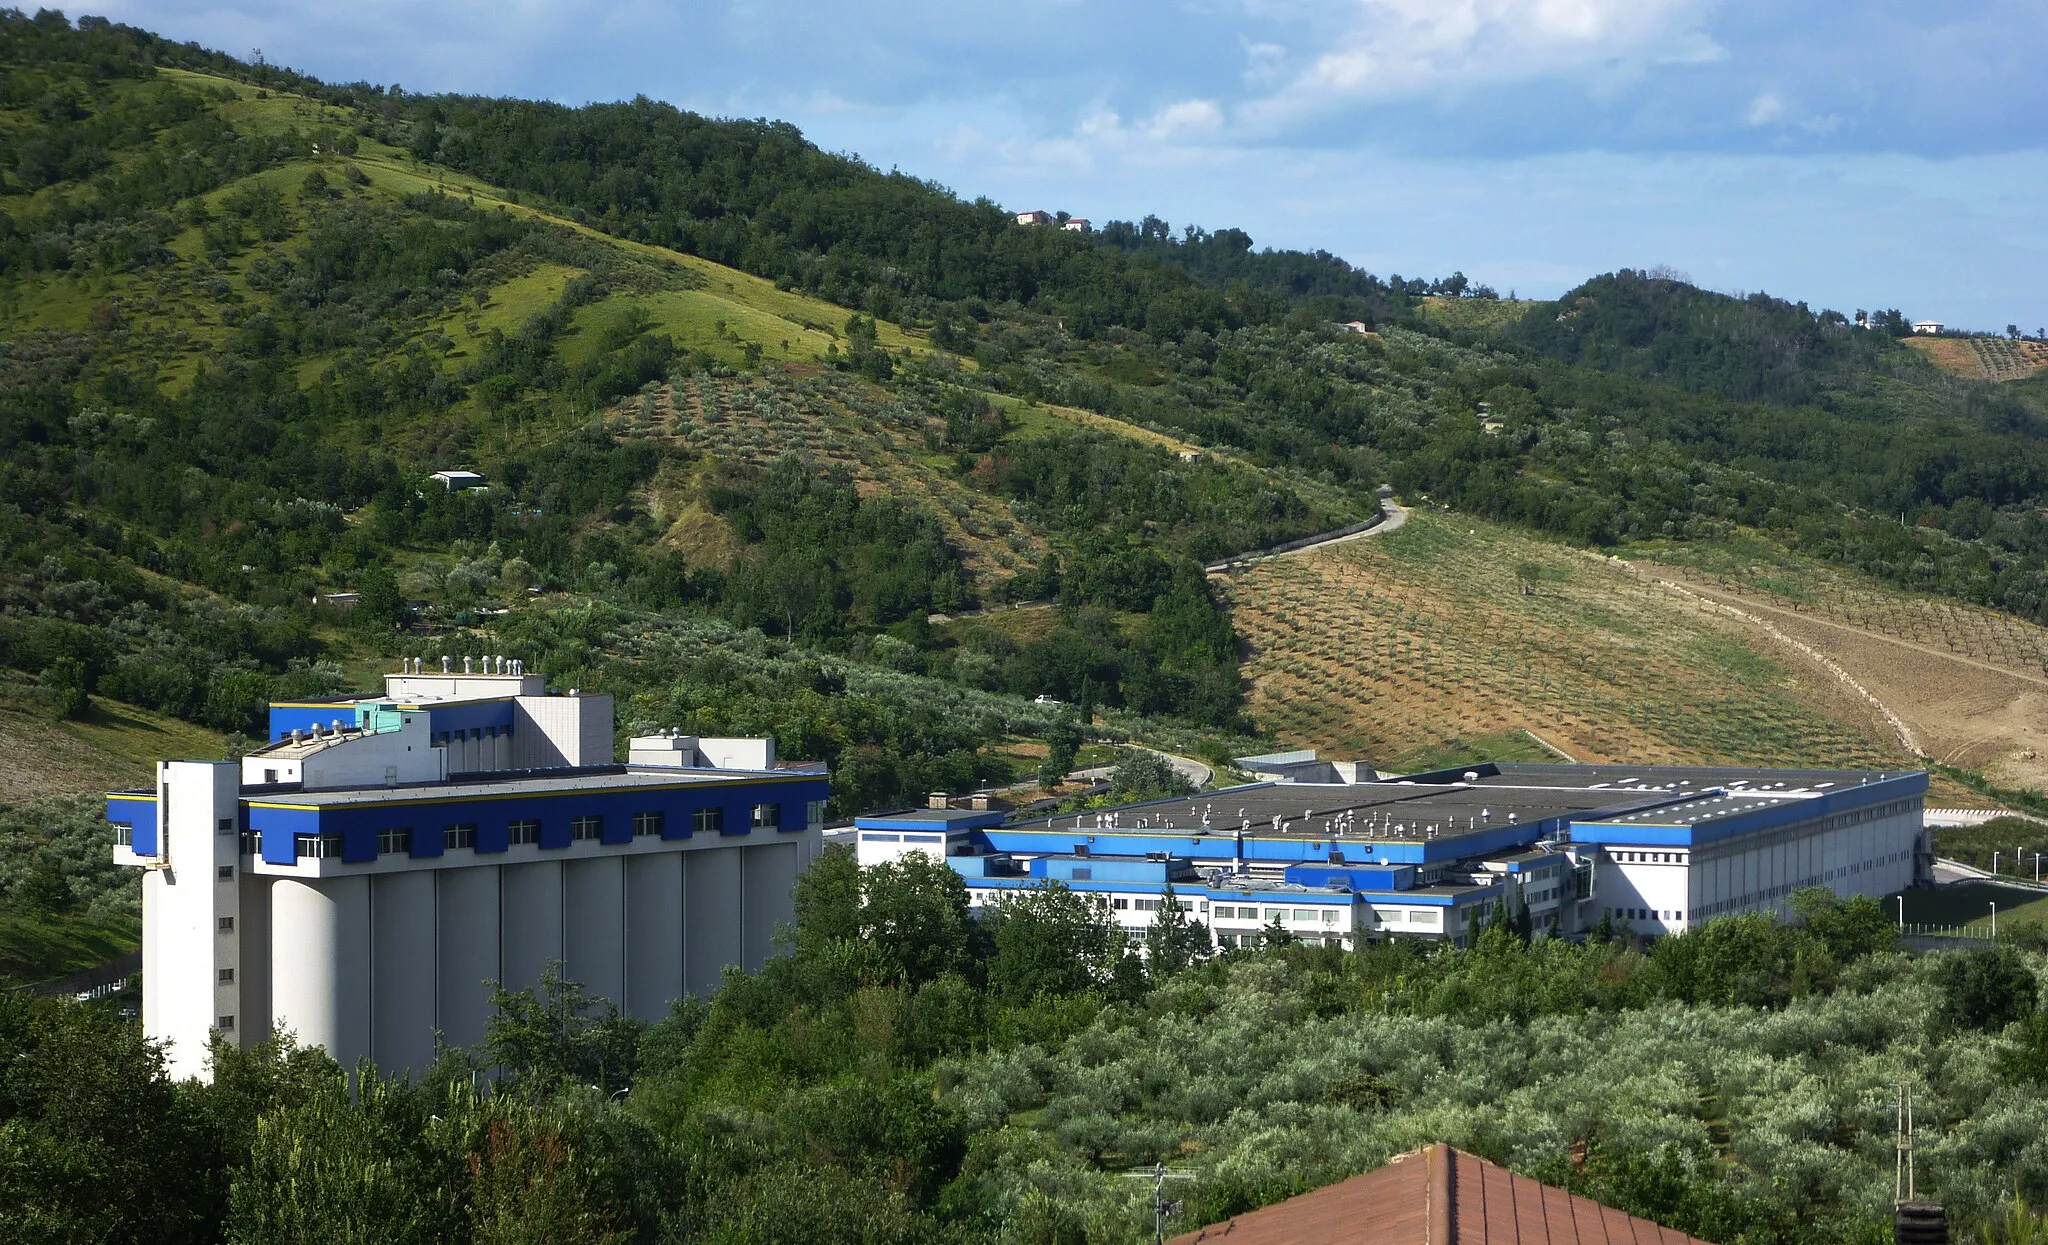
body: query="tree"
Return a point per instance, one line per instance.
(1142, 774)
(1528, 574)
(1987, 989)
(827, 900)
(1062, 744)
(914, 918)
(380, 606)
(1048, 940)
(66, 683)
(556, 1036)
(1174, 941)
(90, 1127)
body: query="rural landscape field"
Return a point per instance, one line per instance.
(838, 609)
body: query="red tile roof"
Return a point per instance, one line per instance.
(1437, 1196)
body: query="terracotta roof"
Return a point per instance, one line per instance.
(1438, 1196)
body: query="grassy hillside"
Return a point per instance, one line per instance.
(716, 377)
(1454, 639)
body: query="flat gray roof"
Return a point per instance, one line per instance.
(1446, 804)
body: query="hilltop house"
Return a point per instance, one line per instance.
(1034, 218)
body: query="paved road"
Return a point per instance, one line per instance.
(1391, 519)
(1189, 768)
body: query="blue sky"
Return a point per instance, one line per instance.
(1866, 154)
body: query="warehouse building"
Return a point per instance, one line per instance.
(363, 878)
(1657, 849)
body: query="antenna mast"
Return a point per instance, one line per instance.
(1902, 1174)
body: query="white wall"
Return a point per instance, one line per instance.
(549, 731)
(1860, 852)
(371, 964)
(468, 948)
(184, 947)
(737, 753)
(435, 686)
(320, 963)
(667, 751)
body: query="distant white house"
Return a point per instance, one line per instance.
(1356, 326)
(1928, 327)
(1079, 224)
(454, 480)
(1034, 218)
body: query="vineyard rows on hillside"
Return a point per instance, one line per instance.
(1446, 631)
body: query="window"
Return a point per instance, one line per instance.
(870, 837)
(269, 775)
(767, 816)
(581, 828)
(1120, 904)
(227, 825)
(316, 846)
(227, 925)
(252, 843)
(1329, 916)
(226, 1022)
(124, 834)
(1084, 873)
(712, 821)
(463, 835)
(394, 842)
(814, 815)
(1304, 914)
(647, 825)
(227, 976)
(1148, 905)
(225, 873)
(526, 831)
(1274, 914)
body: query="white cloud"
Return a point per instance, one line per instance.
(1187, 119)
(1397, 49)
(1765, 109)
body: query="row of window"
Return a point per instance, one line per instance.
(1327, 916)
(1651, 858)
(1645, 914)
(1253, 940)
(398, 840)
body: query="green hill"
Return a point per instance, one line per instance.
(717, 377)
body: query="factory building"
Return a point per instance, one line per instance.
(363, 878)
(1657, 849)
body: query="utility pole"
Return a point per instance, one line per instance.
(1994, 918)
(1159, 1174)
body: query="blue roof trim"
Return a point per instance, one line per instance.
(1598, 829)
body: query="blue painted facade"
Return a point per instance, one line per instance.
(281, 820)
(469, 715)
(288, 716)
(136, 809)
(1386, 878)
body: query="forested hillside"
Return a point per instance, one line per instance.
(716, 377)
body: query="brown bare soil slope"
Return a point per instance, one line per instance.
(1983, 358)
(1395, 646)
(1968, 682)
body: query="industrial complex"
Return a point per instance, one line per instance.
(363, 878)
(366, 877)
(1339, 855)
